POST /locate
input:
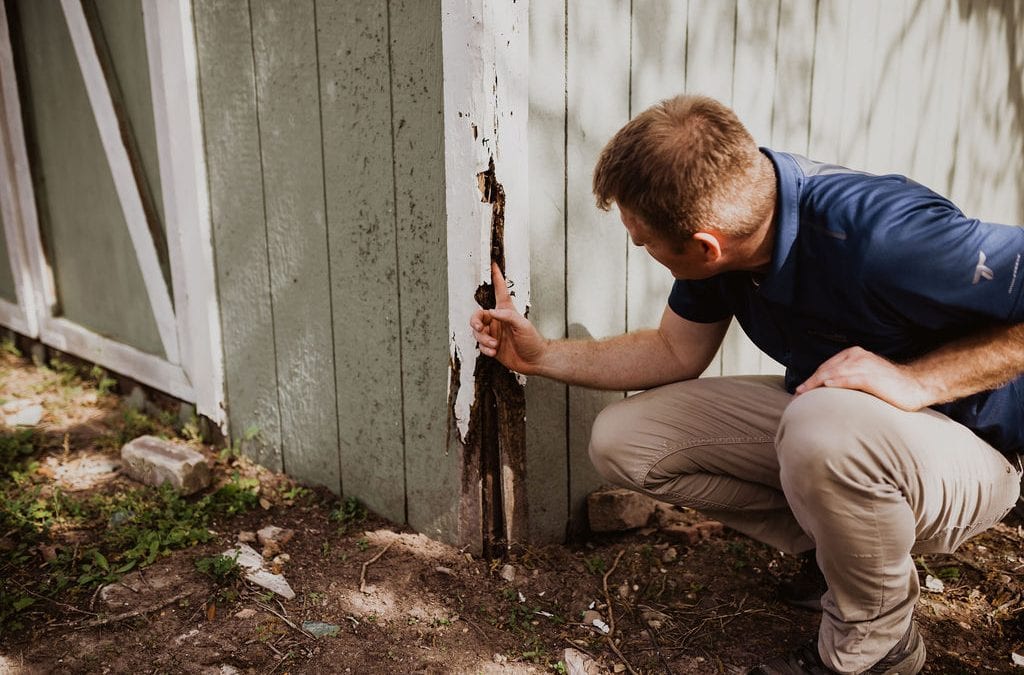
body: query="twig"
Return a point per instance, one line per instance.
(286, 620)
(657, 647)
(608, 598)
(611, 614)
(362, 572)
(280, 662)
(134, 613)
(56, 602)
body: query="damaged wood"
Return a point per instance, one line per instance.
(495, 457)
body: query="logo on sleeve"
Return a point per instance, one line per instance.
(981, 271)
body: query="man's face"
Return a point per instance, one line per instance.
(685, 259)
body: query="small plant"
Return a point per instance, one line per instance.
(7, 346)
(68, 372)
(234, 447)
(15, 447)
(595, 564)
(293, 493)
(362, 543)
(223, 569)
(104, 383)
(350, 512)
(560, 668)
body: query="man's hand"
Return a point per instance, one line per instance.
(857, 368)
(506, 334)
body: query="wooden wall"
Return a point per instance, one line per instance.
(928, 88)
(324, 136)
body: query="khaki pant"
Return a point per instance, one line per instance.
(863, 482)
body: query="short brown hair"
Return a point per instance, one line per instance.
(684, 165)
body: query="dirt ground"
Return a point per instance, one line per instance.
(389, 600)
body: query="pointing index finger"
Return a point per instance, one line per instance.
(501, 294)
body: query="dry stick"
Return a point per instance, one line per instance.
(362, 572)
(56, 602)
(611, 614)
(134, 613)
(286, 620)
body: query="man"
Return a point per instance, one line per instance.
(897, 319)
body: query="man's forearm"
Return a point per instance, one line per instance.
(977, 363)
(638, 360)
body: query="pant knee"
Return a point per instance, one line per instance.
(610, 440)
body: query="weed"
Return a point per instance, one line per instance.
(104, 383)
(234, 447)
(350, 512)
(226, 572)
(136, 424)
(291, 494)
(560, 668)
(595, 564)
(68, 372)
(7, 346)
(15, 447)
(11, 606)
(191, 431)
(362, 543)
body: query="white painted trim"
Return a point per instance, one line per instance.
(16, 199)
(124, 176)
(121, 358)
(485, 51)
(12, 316)
(170, 45)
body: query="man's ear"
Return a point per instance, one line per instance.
(710, 245)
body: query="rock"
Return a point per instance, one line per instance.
(86, 470)
(590, 616)
(670, 555)
(445, 570)
(508, 573)
(136, 400)
(29, 416)
(247, 537)
(690, 535)
(578, 663)
(153, 461)
(252, 562)
(320, 629)
(246, 613)
(272, 533)
(666, 514)
(618, 509)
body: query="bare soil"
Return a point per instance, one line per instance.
(423, 607)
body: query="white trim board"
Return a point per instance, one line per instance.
(16, 199)
(146, 368)
(173, 74)
(12, 316)
(124, 178)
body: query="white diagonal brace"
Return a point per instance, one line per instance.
(124, 178)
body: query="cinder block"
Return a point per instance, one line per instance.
(154, 461)
(617, 510)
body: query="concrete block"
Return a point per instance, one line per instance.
(154, 461)
(618, 509)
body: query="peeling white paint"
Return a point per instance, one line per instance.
(485, 46)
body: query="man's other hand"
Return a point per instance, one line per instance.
(857, 368)
(506, 334)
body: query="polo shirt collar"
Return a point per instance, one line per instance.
(779, 284)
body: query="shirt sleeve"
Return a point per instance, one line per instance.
(701, 300)
(941, 268)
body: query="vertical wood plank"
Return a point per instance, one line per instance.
(794, 63)
(829, 74)
(8, 291)
(547, 468)
(889, 36)
(658, 71)
(941, 57)
(288, 100)
(598, 42)
(227, 87)
(918, 73)
(432, 471)
(355, 85)
(862, 59)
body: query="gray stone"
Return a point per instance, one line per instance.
(252, 562)
(154, 461)
(29, 416)
(320, 628)
(617, 510)
(508, 573)
(274, 534)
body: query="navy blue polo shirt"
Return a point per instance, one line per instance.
(879, 262)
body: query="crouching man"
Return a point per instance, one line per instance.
(897, 318)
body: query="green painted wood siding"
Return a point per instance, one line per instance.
(325, 152)
(8, 291)
(99, 284)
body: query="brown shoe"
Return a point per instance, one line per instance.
(905, 658)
